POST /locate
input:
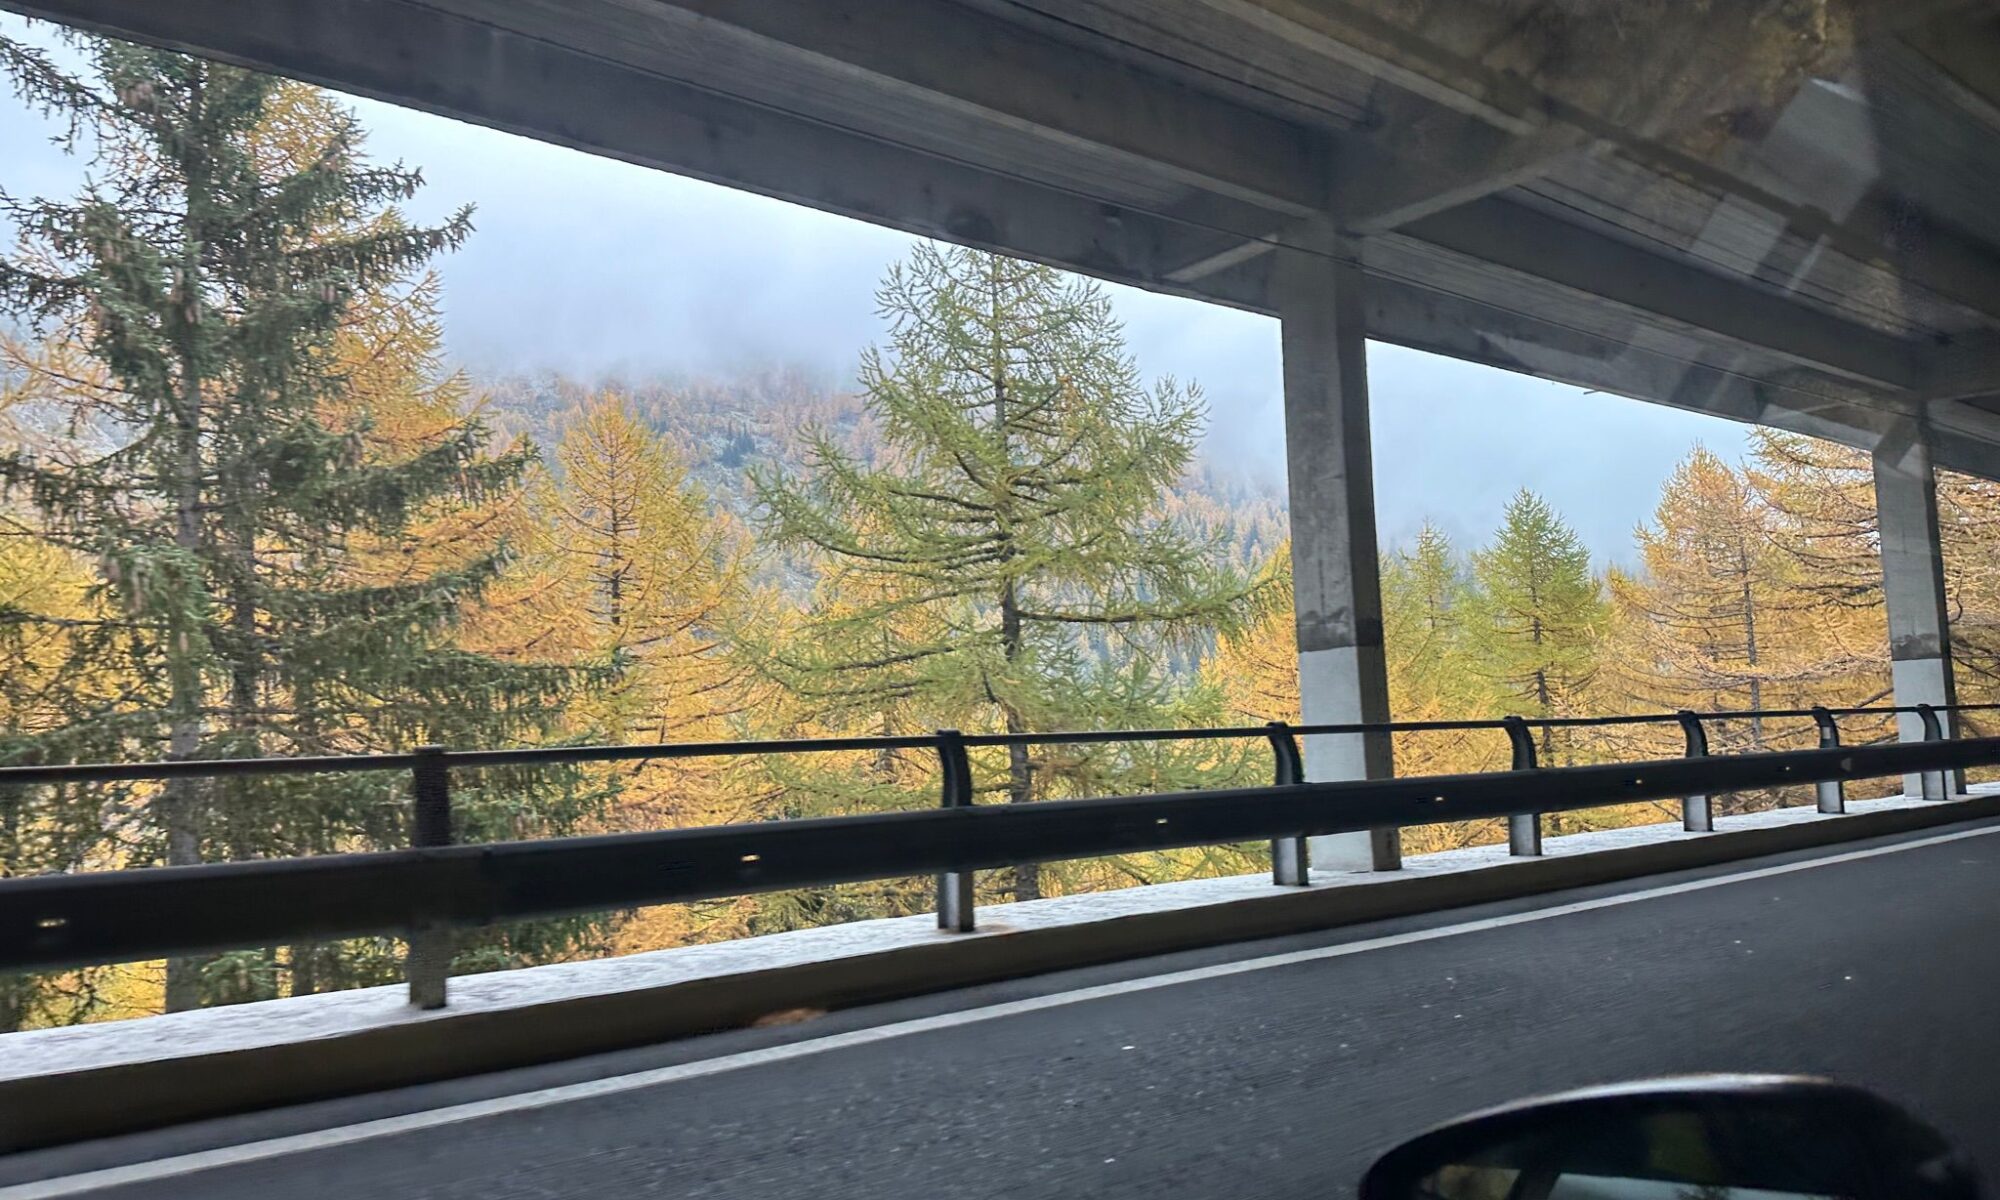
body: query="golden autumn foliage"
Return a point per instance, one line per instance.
(640, 571)
(653, 577)
(1733, 609)
(1423, 595)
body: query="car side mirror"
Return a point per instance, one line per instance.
(1698, 1138)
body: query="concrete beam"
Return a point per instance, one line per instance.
(901, 57)
(1381, 49)
(1964, 437)
(1830, 128)
(475, 72)
(1373, 192)
(1961, 60)
(999, 72)
(1641, 366)
(1968, 454)
(1740, 312)
(1904, 15)
(1529, 124)
(1656, 290)
(1337, 590)
(1229, 257)
(1660, 372)
(1570, 106)
(1969, 366)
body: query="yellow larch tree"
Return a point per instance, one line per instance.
(1257, 671)
(642, 572)
(1826, 495)
(45, 688)
(1821, 497)
(1723, 615)
(1969, 514)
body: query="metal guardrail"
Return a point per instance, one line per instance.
(422, 893)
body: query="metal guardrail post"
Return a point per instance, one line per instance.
(1831, 793)
(1697, 814)
(1934, 785)
(1290, 864)
(1524, 830)
(954, 888)
(428, 966)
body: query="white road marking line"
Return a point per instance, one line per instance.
(347, 1135)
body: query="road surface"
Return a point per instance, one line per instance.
(1270, 1069)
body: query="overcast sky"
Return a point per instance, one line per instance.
(586, 265)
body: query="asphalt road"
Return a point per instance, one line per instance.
(1282, 1080)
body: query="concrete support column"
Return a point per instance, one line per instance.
(1913, 586)
(1335, 574)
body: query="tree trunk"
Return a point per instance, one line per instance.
(1020, 772)
(14, 994)
(1544, 699)
(305, 968)
(180, 799)
(14, 990)
(1750, 650)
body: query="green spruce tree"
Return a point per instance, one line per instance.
(1535, 614)
(229, 229)
(1423, 593)
(1008, 565)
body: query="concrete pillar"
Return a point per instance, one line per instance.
(1913, 585)
(1335, 574)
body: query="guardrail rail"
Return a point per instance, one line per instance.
(423, 892)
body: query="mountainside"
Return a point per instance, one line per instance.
(723, 425)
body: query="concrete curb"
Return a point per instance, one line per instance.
(67, 1106)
